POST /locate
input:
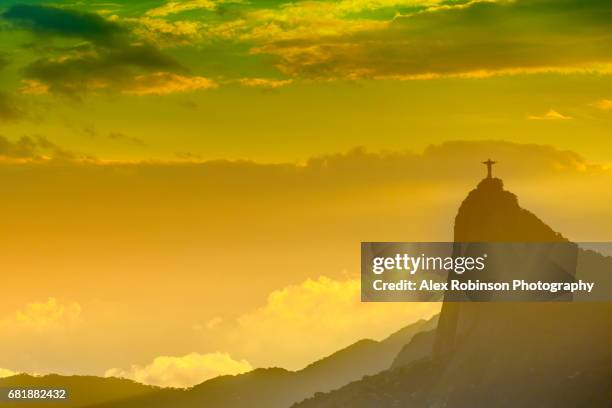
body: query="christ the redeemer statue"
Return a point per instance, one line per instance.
(489, 164)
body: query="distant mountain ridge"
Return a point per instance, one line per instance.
(263, 387)
(82, 390)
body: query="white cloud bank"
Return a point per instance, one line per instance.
(302, 323)
(6, 373)
(182, 372)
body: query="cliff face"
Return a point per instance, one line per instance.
(490, 214)
(550, 338)
(553, 354)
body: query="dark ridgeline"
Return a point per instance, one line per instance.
(547, 354)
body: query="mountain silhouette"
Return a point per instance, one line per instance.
(550, 354)
(263, 387)
(491, 214)
(419, 347)
(83, 390)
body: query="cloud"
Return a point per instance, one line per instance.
(120, 137)
(98, 68)
(6, 373)
(265, 82)
(455, 39)
(300, 21)
(189, 156)
(9, 111)
(182, 372)
(34, 87)
(33, 148)
(164, 83)
(42, 316)
(550, 115)
(439, 163)
(168, 33)
(173, 7)
(108, 56)
(325, 309)
(45, 20)
(603, 104)
(312, 20)
(346, 39)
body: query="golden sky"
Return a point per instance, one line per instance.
(182, 180)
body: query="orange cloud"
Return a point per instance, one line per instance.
(173, 7)
(165, 83)
(265, 82)
(550, 115)
(167, 33)
(604, 104)
(34, 87)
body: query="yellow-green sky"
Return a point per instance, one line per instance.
(284, 80)
(180, 178)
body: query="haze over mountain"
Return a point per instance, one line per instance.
(268, 387)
